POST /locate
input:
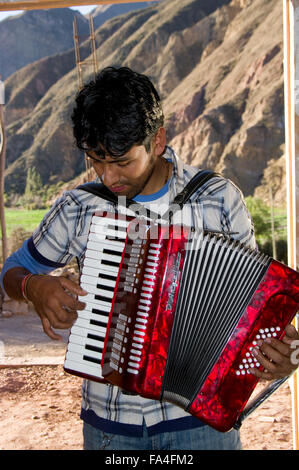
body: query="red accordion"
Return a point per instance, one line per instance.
(173, 314)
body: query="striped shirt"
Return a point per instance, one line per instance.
(62, 235)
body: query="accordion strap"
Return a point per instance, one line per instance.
(100, 190)
(194, 184)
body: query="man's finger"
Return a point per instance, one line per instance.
(290, 334)
(71, 286)
(49, 331)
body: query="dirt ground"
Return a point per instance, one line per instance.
(40, 403)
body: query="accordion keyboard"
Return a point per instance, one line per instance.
(104, 249)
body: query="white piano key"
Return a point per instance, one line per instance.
(78, 357)
(98, 306)
(96, 263)
(75, 339)
(91, 245)
(81, 349)
(90, 298)
(85, 333)
(93, 316)
(108, 232)
(102, 221)
(106, 244)
(84, 368)
(83, 323)
(101, 245)
(97, 280)
(102, 237)
(94, 272)
(94, 254)
(96, 290)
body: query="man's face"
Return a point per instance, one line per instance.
(127, 175)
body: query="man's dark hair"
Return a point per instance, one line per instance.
(117, 110)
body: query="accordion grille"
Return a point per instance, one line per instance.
(219, 278)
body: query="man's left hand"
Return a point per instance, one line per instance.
(278, 357)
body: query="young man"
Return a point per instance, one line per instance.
(118, 121)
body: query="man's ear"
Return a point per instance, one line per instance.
(160, 141)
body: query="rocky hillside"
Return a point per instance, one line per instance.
(35, 34)
(218, 66)
(103, 13)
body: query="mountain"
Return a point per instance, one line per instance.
(105, 12)
(218, 66)
(35, 34)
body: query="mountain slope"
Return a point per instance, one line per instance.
(35, 34)
(218, 68)
(105, 12)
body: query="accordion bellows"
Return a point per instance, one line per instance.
(173, 314)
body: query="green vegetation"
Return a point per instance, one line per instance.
(36, 195)
(21, 223)
(262, 219)
(28, 219)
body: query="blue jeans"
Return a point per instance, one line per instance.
(202, 438)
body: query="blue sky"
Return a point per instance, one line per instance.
(83, 9)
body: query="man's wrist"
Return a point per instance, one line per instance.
(25, 283)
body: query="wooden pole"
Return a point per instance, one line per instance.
(2, 170)
(291, 67)
(9, 5)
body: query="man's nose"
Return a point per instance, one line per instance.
(110, 175)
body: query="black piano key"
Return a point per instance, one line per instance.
(93, 348)
(92, 359)
(95, 337)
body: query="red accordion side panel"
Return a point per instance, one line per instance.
(230, 384)
(139, 335)
(161, 334)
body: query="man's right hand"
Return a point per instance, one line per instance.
(54, 299)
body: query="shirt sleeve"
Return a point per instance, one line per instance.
(23, 258)
(235, 216)
(48, 248)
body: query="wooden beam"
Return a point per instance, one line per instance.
(47, 4)
(291, 80)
